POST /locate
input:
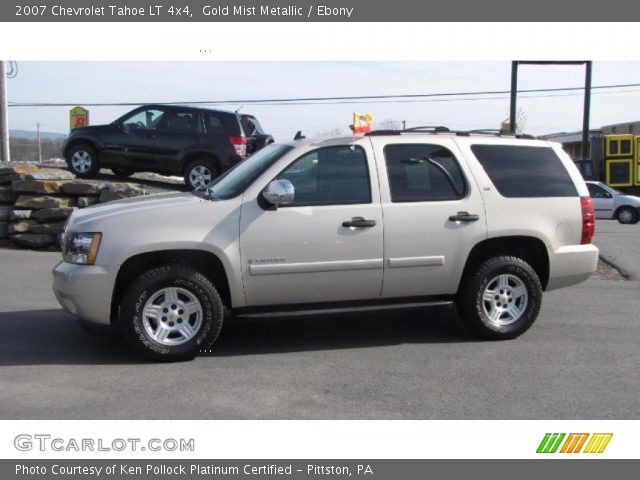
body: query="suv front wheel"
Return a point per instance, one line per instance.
(83, 161)
(171, 312)
(500, 299)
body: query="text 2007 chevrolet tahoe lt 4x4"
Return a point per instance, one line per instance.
(388, 219)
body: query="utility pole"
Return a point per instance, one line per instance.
(404, 124)
(39, 145)
(4, 117)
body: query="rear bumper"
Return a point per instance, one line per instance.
(571, 265)
(84, 291)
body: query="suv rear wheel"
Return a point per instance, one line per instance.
(170, 312)
(199, 173)
(83, 161)
(500, 299)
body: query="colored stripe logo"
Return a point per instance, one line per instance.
(574, 443)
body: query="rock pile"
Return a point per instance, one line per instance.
(35, 202)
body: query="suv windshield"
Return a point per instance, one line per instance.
(236, 180)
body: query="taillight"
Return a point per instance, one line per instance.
(239, 145)
(588, 220)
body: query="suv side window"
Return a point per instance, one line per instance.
(525, 172)
(182, 121)
(330, 176)
(149, 119)
(213, 124)
(423, 173)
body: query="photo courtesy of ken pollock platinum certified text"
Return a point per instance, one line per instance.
(189, 469)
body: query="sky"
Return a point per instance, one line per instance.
(157, 82)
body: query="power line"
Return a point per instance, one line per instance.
(326, 100)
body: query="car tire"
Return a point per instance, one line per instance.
(83, 161)
(170, 313)
(501, 298)
(627, 215)
(200, 172)
(122, 172)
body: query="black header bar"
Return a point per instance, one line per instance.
(319, 11)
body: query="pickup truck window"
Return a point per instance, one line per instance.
(236, 180)
(423, 173)
(330, 176)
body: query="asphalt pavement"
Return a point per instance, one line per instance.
(620, 245)
(579, 361)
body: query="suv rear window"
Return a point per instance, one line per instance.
(523, 171)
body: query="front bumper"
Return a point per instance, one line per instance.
(571, 265)
(84, 291)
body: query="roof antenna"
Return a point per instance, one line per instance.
(299, 135)
(239, 108)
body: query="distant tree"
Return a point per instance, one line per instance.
(521, 121)
(388, 124)
(334, 132)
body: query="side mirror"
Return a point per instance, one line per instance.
(279, 192)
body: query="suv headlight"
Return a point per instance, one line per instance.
(80, 248)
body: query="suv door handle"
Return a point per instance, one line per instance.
(464, 217)
(359, 222)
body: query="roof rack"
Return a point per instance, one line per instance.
(461, 133)
(426, 128)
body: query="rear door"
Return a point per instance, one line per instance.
(433, 214)
(182, 130)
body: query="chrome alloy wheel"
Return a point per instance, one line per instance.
(81, 161)
(200, 176)
(172, 316)
(504, 299)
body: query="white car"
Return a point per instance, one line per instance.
(610, 203)
(389, 220)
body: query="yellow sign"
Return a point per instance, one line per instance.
(78, 117)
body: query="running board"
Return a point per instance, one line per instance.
(291, 311)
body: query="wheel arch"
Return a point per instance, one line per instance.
(530, 249)
(194, 155)
(205, 262)
(620, 207)
(80, 141)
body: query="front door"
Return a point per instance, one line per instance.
(327, 244)
(132, 144)
(433, 215)
(602, 201)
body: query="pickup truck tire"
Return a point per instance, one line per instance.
(171, 312)
(83, 161)
(501, 298)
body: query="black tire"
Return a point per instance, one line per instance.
(202, 166)
(82, 161)
(122, 172)
(474, 308)
(627, 215)
(132, 321)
